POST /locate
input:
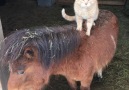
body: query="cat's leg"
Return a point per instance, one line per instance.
(89, 26)
(94, 23)
(79, 22)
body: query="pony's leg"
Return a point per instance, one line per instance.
(85, 84)
(85, 88)
(90, 23)
(79, 22)
(72, 84)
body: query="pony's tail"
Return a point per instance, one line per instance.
(67, 17)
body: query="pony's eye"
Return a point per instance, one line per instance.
(20, 72)
(21, 69)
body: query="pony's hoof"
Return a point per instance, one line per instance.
(85, 88)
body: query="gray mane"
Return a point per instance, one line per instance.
(52, 43)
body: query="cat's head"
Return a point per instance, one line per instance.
(85, 3)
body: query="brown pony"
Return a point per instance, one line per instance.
(36, 54)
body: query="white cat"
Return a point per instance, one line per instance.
(84, 10)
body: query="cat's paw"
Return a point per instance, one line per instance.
(94, 24)
(79, 28)
(88, 33)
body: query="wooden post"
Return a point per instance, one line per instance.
(0, 86)
(1, 38)
(1, 32)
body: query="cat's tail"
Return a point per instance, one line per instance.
(67, 17)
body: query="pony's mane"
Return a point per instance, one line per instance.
(52, 43)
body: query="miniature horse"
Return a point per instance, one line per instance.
(36, 54)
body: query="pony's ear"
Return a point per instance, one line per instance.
(30, 52)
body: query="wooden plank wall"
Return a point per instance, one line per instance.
(106, 2)
(112, 2)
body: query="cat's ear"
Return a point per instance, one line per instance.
(92, 1)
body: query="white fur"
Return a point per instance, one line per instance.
(113, 41)
(100, 73)
(88, 5)
(63, 12)
(83, 5)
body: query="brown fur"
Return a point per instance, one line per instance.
(93, 54)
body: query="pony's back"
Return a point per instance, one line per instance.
(93, 53)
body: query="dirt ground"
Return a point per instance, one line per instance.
(19, 14)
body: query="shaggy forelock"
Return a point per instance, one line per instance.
(52, 43)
